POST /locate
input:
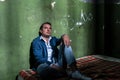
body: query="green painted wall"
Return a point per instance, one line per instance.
(20, 21)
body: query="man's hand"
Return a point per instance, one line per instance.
(66, 39)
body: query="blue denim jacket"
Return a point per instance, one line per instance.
(38, 51)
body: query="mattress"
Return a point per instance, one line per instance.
(98, 67)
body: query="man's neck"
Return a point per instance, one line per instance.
(46, 38)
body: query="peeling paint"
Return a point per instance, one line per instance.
(54, 31)
(92, 1)
(53, 4)
(20, 36)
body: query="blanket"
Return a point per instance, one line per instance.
(96, 67)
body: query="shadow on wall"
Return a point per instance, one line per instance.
(112, 23)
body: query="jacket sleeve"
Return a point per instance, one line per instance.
(58, 41)
(38, 53)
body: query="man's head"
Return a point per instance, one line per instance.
(45, 29)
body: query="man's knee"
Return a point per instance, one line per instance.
(42, 67)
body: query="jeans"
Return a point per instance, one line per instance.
(65, 57)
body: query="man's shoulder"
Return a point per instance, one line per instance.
(54, 38)
(36, 39)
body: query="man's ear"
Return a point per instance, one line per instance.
(40, 31)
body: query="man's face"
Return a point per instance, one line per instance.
(46, 30)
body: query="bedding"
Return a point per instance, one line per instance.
(98, 67)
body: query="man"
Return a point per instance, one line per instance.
(47, 60)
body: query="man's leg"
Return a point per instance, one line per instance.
(66, 57)
(46, 72)
(69, 56)
(70, 60)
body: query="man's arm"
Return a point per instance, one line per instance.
(66, 39)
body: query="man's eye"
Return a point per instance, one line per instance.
(45, 27)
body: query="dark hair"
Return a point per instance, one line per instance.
(42, 26)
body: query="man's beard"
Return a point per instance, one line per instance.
(47, 36)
